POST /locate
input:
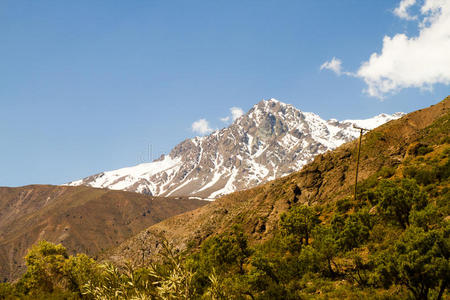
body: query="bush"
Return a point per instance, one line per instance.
(326, 248)
(296, 225)
(226, 251)
(344, 205)
(420, 149)
(443, 172)
(426, 218)
(419, 260)
(423, 176)
(78, 270)
(351, 231)
(386, 172)
(45, 263)
(397, 198)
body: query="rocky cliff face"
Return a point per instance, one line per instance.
(272, 140)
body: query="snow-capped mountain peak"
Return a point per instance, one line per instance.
(376, 121)
(271, 140)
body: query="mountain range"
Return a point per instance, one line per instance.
(386, 152)
(271, 140)
(121, 226)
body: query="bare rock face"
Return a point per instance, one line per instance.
(272, 140)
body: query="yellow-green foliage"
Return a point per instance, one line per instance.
(45, 263)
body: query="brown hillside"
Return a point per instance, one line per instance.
(83, 219)
(328, 178)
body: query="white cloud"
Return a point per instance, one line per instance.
(225, 120)
(402, 10)
(420, 61)
(201, 127)
(334, 65)
(236, 112)
(406, 62)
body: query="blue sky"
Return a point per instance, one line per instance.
(85, 86)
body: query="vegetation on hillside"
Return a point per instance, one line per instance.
(391, 242)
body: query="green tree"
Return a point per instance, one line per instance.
(326, 247)
(419, 261)
(78, 270)
(354, 231)
(397, 198)
(227, 250)
(45, 263)
(297, 224)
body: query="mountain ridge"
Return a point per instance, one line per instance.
(84, 219)
(271, 140)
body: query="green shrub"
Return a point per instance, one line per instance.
(423, 176)
(45, 263)
(351, 231)
(420, 149)
(419, 261)
(397, 198)
(386, 172)
(344, 205)
(226, 251)
(296, 225)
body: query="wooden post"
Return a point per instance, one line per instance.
(359, 153)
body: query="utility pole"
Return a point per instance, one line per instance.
(359, 153)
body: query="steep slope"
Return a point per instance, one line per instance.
(328, 178)
(83, 219)
(272, 140)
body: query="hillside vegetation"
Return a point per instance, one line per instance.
(329, 178)
(303, 236)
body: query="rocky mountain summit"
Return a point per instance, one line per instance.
(271, 140)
